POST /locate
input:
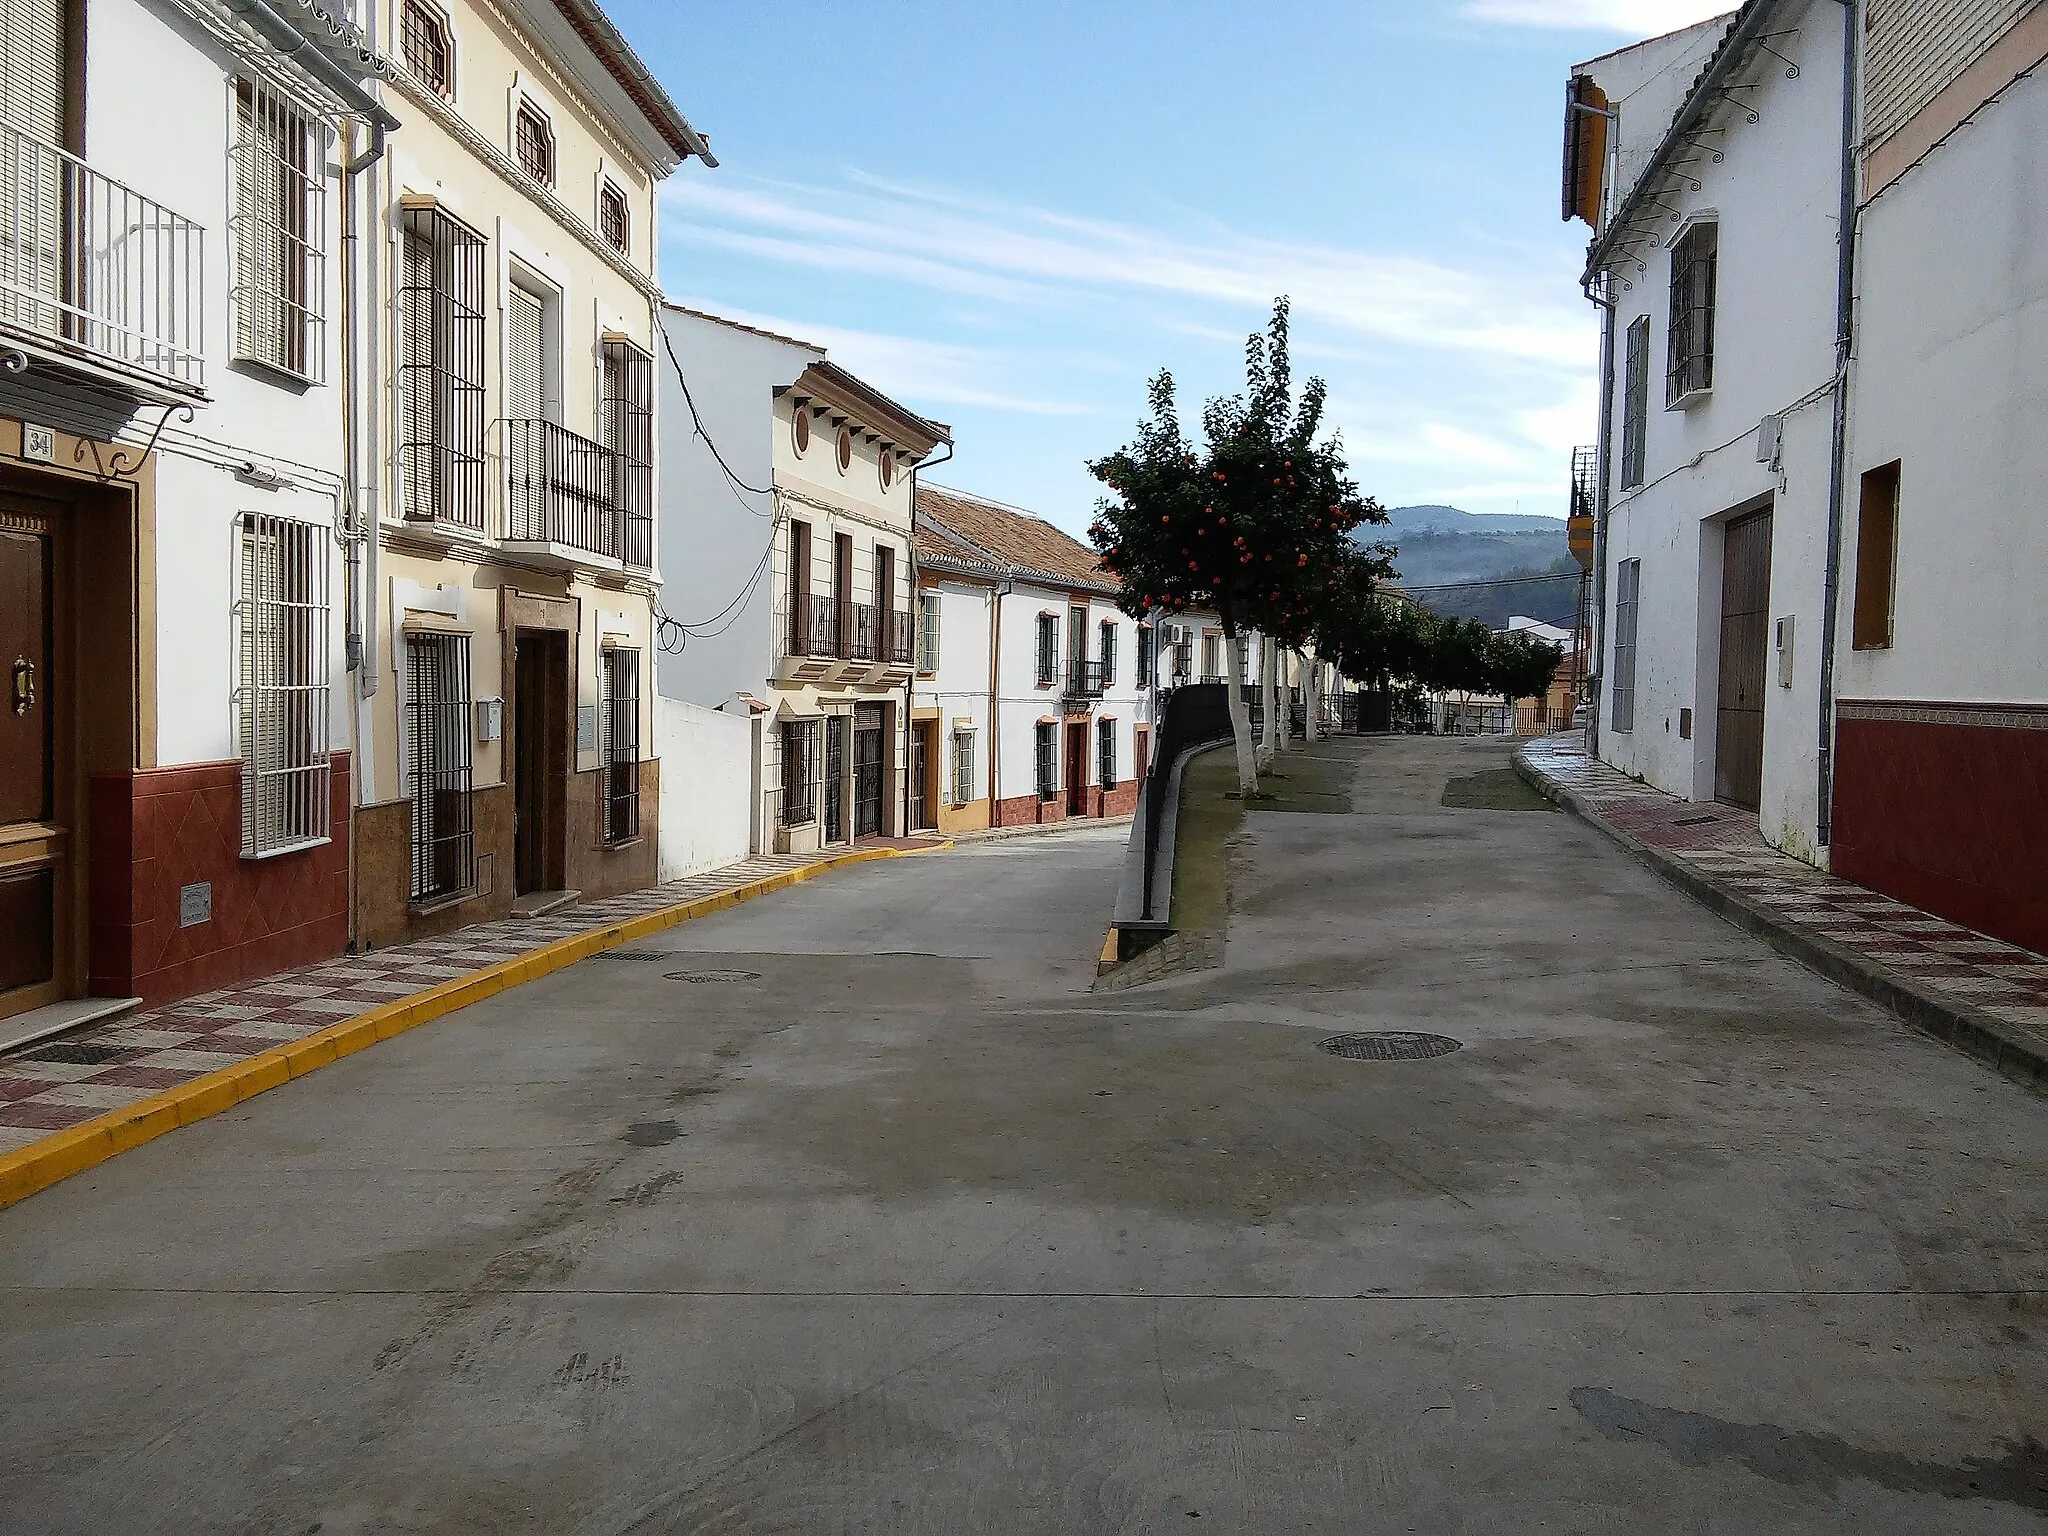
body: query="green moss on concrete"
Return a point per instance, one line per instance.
(1209, 818)
(1497, 789)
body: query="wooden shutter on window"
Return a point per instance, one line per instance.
(32, 67)
(525, 391)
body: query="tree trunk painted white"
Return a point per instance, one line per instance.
(1311, 692)
(1268, 695)
(1240, 718)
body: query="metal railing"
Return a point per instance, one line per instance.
(1085, 681)
(562, 488)
(94, 267)
(1187, 717)
(863, 636)
(902, 640)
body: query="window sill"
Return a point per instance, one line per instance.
(275, 373)
(284, 848)
(621, 846)
(1689, 399)
(435, 904)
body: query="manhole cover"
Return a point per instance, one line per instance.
(78, 1055)
(714, 976)
(629, 954)
(1388, 1045)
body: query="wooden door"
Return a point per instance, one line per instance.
(1745, 647)
(869, 739)
(540, 759)
(1077, 768)
(32, 844)
(1141, 753)
(834, 788)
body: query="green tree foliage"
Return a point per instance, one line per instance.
(1521, 666)
(1251, 523)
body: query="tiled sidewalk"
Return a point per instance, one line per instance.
(1967, 969)
(58, 1083)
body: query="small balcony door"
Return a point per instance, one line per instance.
(33, 101)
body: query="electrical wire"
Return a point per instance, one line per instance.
(1497, 581)
(697, 421)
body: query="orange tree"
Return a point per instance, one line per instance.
(1250, 524)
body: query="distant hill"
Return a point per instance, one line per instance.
(1441, 546)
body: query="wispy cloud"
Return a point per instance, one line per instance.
(1640, 18)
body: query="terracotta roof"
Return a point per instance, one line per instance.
(735, 325)
(1017, 542)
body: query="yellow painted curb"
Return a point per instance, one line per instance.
(59, 1155)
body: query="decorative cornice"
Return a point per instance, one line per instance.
(2000, 717)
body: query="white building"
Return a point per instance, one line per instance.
(787, 580)
(174, 772)
(1718, 257)
(1821, 600)
(1035, 691)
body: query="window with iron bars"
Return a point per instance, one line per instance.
(279, 231)
(1628, 588)
(1105, 753)
(1144, 655)
(437, 765)
(533, 141)
(928, 633)
(423, 34)
(619, 744)
(963, 767)
(799, 772)
(1046, 757)
(441, 422)
(1108, 648)
(1048, 650)
(1690, 366)
(1635, 402)
(281, 693)
(627, 426)
(614, 222)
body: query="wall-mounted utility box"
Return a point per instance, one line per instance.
(490, 719)
(1784, 645)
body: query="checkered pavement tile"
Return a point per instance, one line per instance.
(55, 1084)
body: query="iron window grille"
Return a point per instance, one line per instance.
(963, 767)
(1635, 402)
(619, 744)
(799, 779)
(628, 430)
(1046, 756)
(279, 232)
(928, 633)
(533, 141)
(1144, 655)
(1627, 599)
(1105, 753)
(1108, 648)
(281, 698)
(1048, 650)
(437, 761)
(1689, 368)
(423, 34)
(441, 422)
(614, 222)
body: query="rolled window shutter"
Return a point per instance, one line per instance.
(31, 176)
(32, 67)
(524, 396)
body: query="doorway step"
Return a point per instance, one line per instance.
(541, 903)
(57, 1018)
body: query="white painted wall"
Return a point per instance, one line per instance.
(1949, 379)
(1774, 197)
(959, 689)
(707, 802)
(712, 534)
(178, 153)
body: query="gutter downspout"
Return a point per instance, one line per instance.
(997, 592)
(1838, 467)
(1596, 677)
(294, 45)
(910, 682)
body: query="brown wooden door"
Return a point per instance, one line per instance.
(1077, 768)
(28, 883)
(1745, 646)
(540, 790)
(1141, 753)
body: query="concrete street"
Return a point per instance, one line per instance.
(892, 1225)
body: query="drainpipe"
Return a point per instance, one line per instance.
(1596, 678)
(293, 44)
(910, 682)
(1838, 466)
(995, 691)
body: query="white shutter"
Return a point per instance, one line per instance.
(525, 397)
(32, 67)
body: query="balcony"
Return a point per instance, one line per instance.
(1084, 684)
(568, 498)
(95, 278)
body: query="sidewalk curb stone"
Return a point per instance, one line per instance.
(1970, 1030)
(28, 1170)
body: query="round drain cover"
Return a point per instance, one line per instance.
(1388, 1045)
(714, 976)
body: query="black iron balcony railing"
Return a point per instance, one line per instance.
(562, 488)
(813, 626)
(901, 638)
(93, 268)
(1085, 681)
(861, 622)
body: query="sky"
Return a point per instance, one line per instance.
(1009, 216)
